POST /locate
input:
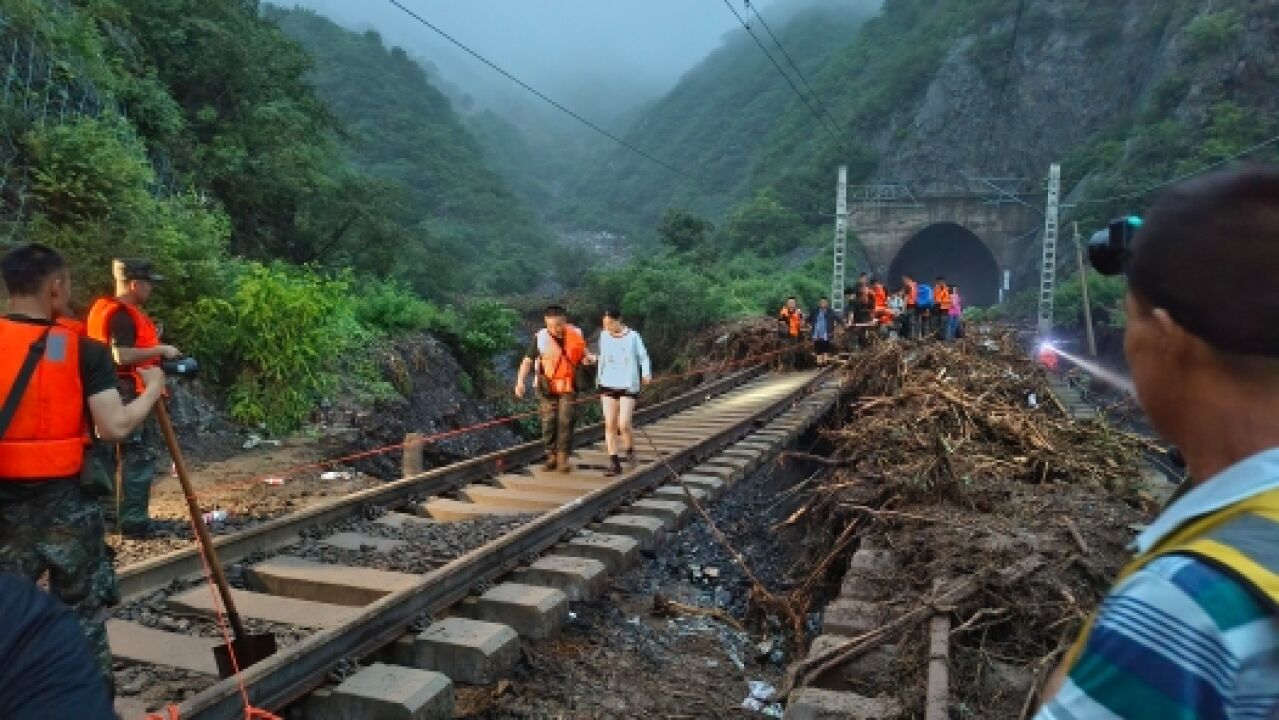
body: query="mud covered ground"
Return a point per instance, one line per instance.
(621, 658)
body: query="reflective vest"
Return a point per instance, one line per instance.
(99, 328)
(46, 438)
(941, 294)
(794, 320)
(559, 357)
(912, 294)
(73, 325)
(880, 296)
(1241, 540)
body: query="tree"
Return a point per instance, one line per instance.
(764, 225)
(683, 231)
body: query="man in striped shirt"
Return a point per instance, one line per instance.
(1191, 628)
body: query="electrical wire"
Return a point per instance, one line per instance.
(825, 125)
(538, 93)
(1184, 176)
(816, 97)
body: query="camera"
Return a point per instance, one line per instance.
(185, 367)
(1110, 249)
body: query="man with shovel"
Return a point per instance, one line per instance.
(52, 384)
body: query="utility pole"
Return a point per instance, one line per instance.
(1083, 285)
(1048, 271)
(841, 240)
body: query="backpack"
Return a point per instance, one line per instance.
(925, 296)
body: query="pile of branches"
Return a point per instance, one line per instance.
(957, 458)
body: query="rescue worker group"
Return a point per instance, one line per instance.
(1190, 628)
(913, 311)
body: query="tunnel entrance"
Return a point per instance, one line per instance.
(953, 251)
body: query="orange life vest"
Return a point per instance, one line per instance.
(73, 325)
(559, 358)
(99, 328)
(881, 298)
(794, 320)
(912, 294)
(941, 295)
(46, 438)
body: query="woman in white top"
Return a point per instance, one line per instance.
(624, 368)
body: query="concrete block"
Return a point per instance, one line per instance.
(647, 531)
(337, 584)
(446, 510)
(360, 541)
(134, 643)
(468, 651)
(533, 612)
(673, 513)
(872, 561)
(874, 668)
(721, 469)
(852, 617)
(576, 486)
(129, 708)
(389, 692)
(542, 500)
(578, 578)
(675, 492)
(818, 704)
(617, 552)
(713, 486)
(260, 606)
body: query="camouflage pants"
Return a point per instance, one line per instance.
(557, 413)
(135, 456)
(57, 527)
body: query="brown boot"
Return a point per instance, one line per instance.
(549, 464)
(562, 462)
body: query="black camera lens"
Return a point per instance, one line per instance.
(1109, 249)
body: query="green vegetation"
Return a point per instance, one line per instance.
(1211, 32)
(192, 133)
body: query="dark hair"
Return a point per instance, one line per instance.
(1198, 241)
(613, 314)
(823, 298)
(555, 311)
(26, 267)
(790, 297)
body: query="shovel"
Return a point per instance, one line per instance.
(247, 649)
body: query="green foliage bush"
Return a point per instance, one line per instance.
(1212, 32)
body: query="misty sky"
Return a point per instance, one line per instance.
(591, 54)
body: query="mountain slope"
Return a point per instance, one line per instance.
(929, 92)
(403, 130)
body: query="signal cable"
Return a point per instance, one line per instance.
(816, 97)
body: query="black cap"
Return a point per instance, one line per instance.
(135, 269)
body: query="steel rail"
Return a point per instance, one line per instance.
(156, 573)
(297, 670)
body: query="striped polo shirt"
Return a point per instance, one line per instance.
(1179, 638)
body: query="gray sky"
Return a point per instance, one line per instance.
(593, 55)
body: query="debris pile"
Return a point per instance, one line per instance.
(997, 508)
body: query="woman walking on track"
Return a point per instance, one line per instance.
(623, 369)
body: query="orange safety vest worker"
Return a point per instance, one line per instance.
(559, 358)
(941, 294)
(881, 298)
(794, 320)
(73, 325)
(45, 439)
(99, 328)
(912, 293)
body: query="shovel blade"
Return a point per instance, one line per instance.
(248, 649)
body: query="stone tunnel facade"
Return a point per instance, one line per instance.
(968, 237)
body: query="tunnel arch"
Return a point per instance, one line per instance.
(952, 250)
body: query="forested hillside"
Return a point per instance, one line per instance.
(189, 132)
(468, 230)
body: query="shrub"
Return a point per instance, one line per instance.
(1211, 32)
(391, 308)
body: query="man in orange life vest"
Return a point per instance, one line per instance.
(52, 383)
(135, 342)
(557, 351)
(792, 318)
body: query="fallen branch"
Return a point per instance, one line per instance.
(818, 459)
(1074, 534)
(665, 607)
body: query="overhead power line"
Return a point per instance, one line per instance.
(821, 120)
(816, 97)
(1184, 176)
(552, 102)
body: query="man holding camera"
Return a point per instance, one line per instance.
(134, 339)
(1191, 627)
(52, 383)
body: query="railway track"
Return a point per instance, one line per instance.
(332, 615)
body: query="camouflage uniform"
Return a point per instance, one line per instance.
(56, 526)
(557, 413)
(137, 462)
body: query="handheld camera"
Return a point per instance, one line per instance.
(184, 367)
(1110, 249)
